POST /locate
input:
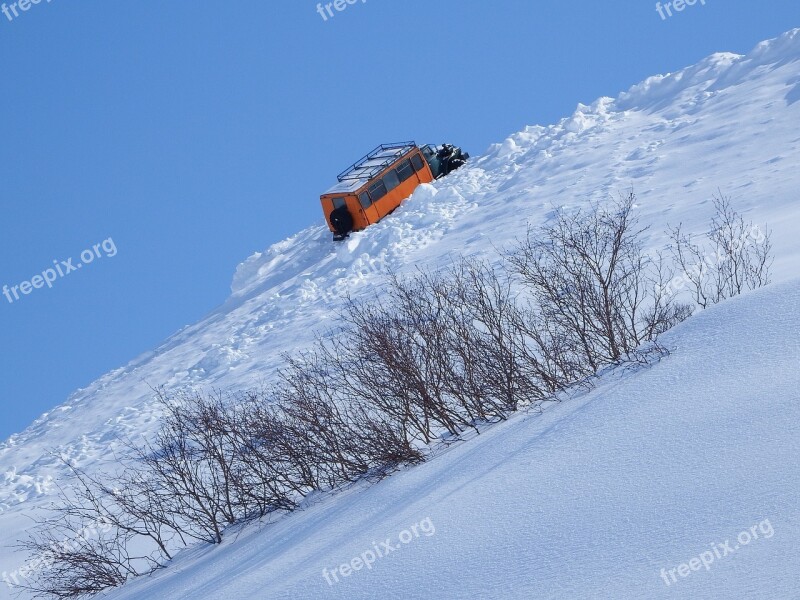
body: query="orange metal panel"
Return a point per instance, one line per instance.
(362, 218)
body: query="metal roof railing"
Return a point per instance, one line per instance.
(362, 170)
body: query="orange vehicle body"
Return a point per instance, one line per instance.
(377, 184)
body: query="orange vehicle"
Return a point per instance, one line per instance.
(374, 186)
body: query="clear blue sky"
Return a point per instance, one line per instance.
(194, 134)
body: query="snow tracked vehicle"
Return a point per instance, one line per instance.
(375, 185)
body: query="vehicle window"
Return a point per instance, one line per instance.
(339, 202)
(404, 170)
(363, 198)
(377, 190)
(416, 160)
(391, 180)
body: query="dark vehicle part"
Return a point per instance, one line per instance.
(342, 222)
(444, 159)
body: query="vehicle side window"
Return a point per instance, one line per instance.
(363, 198)
(391, 180)
(377, 190)
(417, 161)
(404, 170)
(339, 202)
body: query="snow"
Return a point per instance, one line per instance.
(590, 499)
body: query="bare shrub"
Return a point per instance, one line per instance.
(392, 358)
(438, 354)
(596, 295)
(269, 477)
(194, 465)
(333, 438)
(72, 563)
(81, 549)
(735, 257)
(493, 358)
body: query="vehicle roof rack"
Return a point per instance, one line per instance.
(375, 161)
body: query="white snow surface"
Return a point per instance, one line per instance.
(590, 499)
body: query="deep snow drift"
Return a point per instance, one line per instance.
(597, 495)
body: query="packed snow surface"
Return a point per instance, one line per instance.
(590, 499)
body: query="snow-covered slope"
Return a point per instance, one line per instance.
(589, 500)
(729, 122)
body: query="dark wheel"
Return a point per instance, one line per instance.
(342, 222)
